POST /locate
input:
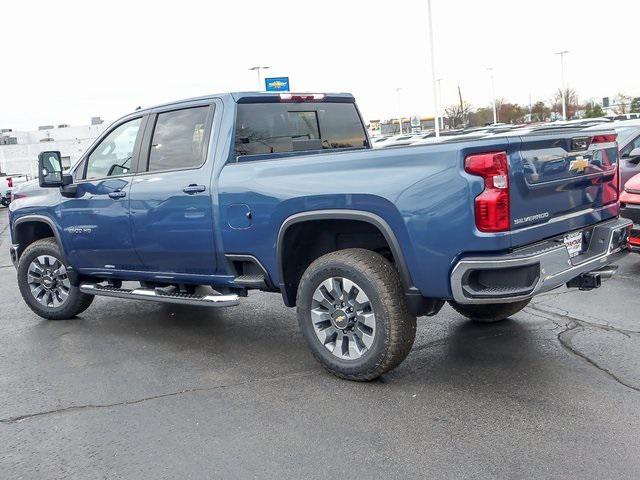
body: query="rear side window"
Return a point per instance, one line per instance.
(263, 128)
(179, 139)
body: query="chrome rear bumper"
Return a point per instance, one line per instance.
(537, 268)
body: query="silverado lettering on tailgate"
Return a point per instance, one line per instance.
(531, 218)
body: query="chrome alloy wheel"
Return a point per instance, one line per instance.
(343, 318)
(48, 280)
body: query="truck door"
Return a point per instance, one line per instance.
(171, 209)
(97, 232)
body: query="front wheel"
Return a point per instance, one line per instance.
(489, 312)
(353, 315)
(44, 282)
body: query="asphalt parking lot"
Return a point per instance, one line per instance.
(136, 390)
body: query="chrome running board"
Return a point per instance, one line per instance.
(157, 295)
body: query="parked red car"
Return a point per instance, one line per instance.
(630, 208)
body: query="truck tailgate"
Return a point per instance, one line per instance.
(561, 182)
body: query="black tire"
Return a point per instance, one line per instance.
(490, 312)
(395, 327)
(76, 302)
(4, 202)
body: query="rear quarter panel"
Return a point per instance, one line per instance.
(422, 193)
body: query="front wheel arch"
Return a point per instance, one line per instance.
(29, 229)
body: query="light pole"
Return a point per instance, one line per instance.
(433, 70)
(562, 93)
(257, 69)
(493, 95)
(439, 113)
(399, 108)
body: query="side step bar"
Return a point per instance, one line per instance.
(156, 295)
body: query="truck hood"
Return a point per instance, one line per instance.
(28, 195)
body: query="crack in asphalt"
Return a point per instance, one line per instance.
(571, 328)
(71, 408)
(565, 314)
(567, 345)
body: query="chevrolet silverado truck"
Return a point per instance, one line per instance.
(199, 201)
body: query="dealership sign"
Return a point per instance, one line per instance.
(277, 84)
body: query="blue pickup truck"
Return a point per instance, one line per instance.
(199, 201)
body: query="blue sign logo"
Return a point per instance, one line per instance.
(277, 84)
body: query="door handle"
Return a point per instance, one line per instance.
(193, 188)
(117, 194)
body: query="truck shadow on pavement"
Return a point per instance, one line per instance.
(266, 336)
(519, 353)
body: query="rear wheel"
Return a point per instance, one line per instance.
(45, 285)
(353, 315)
(490, 312)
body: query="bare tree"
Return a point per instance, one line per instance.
(457, 114)
(540, 112)
(623, 103)
(571, 97)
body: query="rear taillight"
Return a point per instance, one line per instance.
(10, 182)
(492, 205)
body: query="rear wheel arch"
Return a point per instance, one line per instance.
(288, 286)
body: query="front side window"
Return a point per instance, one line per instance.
(635, 143)
(263, 128)
(114, 153)
(78, 173)
(179, 139)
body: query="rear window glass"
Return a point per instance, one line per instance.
(263, 128)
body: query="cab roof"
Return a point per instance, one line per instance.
(238, 97)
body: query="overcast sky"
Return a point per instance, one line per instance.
(65, 61)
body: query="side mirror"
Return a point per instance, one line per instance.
(634, 155)
(50, 169)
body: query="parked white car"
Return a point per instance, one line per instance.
(7, 184)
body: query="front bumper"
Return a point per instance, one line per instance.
(632, 212)
(537, 268)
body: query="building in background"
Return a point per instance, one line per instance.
(19, 149)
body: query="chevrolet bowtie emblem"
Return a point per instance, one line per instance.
(578, 165)
(341, 318)
(277, 84)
